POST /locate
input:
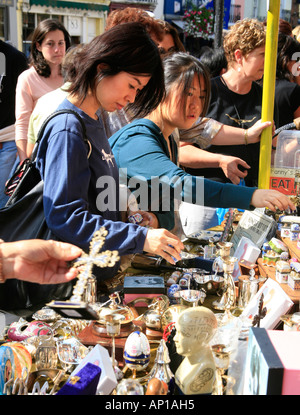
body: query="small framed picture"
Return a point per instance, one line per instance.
(74, 310)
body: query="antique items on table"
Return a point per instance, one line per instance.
(97, 331)
(291, 321)
(190, 297)
(99, 356)
(275, 299)
(170, 330)
(142, 286)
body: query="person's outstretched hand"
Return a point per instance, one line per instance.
(271, 199)
(43, 262)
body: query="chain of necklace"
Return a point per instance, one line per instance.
(239, 120)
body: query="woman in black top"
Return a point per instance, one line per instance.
(236, 97)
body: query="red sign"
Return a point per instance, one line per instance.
(283, 180)
(284, 185)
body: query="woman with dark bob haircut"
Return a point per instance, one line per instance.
(50, 42)
(81, 187)
(134, 58)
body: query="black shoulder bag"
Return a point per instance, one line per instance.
(23, 218)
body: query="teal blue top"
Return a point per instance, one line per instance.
(142, 154)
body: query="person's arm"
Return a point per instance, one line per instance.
(297, 113)
(31, 139)
(208, 131)
(142, 156)
(194, 157)
(228, 135)
(43, 262)
(24, 107)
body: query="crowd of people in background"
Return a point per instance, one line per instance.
(153, 109)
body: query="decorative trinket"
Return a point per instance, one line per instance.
(161, 369)
(87, 261)
(22, 329)
(172, 290)
(137, 352)
(191, 298)
(129, 387)
(228, 300)
(46, 353)
(46, 314)
(70, 352)
(195, 328)
(156, 387)
(262, 311)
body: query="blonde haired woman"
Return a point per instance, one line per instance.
(236, 98)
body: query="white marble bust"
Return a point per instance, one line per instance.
(195, 328)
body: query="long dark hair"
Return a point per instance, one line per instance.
(287, 47)
(123, 48)
(36, 58)
(180, 69)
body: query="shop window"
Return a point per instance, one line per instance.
(2, 27)
(40, 17)
(58, 17)
(28, 28)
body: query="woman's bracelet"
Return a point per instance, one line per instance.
(246, 137)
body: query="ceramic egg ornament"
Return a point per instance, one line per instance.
(137, 352)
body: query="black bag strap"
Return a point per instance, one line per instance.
(45, 122)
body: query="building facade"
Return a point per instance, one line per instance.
(83, 19)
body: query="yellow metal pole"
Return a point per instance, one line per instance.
(268, 93)
(19, 12)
